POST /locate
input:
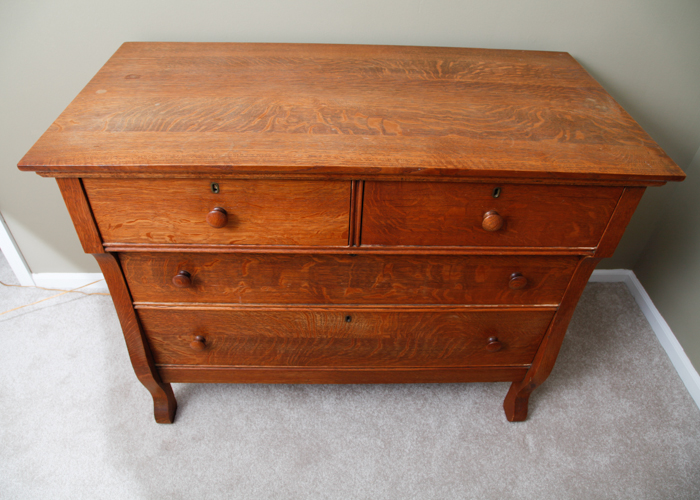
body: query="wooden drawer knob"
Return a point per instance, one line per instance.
(199, 343)
(182, 279)
(517, 281)
(492, 221)
(494, 345)
(217, 217)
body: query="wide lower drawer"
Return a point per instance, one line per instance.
(247, 212)
(344, 337)
(346, 279)
(464, 214)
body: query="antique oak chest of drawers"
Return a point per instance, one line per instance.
(346, 214)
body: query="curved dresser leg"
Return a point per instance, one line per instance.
(515, 404)
(164, 403)
(141, 359)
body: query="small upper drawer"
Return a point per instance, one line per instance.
(248, 212)
(463, 214)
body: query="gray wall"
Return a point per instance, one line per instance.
(669, 267)
(644, 52)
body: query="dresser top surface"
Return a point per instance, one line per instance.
(288, 109)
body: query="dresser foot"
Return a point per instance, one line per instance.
(141, 358)
(516, 400)
(164, 403)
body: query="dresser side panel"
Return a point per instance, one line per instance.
(81, 214)
(136, 342)
(516, 402)
(618, 223)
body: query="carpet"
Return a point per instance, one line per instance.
(613, 421)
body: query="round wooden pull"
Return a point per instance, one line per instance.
(182, 279)
(517, 281)
(198, 344)
(494, 345)
(492, 221)
(217, 217)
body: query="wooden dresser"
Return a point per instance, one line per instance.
(346, 214)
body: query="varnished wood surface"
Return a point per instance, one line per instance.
(333, 308)
(629, 200)
(356, 213)
(177, 107)
(410, 213)
(337, 375)
(353, 174)
(344, 337)
(317, 262)
(346, 279)
(364, 250)
(266, 212)
(81, 214)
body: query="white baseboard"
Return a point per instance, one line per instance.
(69, 281)
(61, 281)
(14, 257)
(667, 339)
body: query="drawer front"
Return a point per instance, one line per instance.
(453, 214)
(344, 337)
(345, 279)
(257, 212)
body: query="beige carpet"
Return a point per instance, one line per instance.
(613, 421)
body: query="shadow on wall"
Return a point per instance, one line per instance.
(66, 252)
(669, 267)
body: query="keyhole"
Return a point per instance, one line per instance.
(215, 187)
(496, 192)
(348, 319)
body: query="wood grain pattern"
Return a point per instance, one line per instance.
(346, 279)
(81, 214)
(336, 375)
(272, 212)
(439, 111)
(409, 213)
(347, 241)
(344, 337)
(164, 403)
